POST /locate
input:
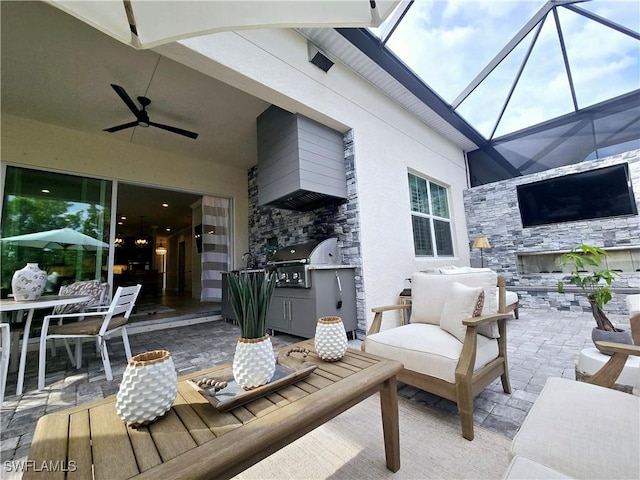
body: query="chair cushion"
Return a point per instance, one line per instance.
(462, 303)
(427, 349)
(582, 430)
(510, 297)
(429, 293)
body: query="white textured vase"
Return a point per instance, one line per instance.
(330, 339)
(148, 389)
(254, 362)
(28, 283)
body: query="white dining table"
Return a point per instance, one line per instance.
(31, 306)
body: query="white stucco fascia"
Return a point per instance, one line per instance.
(388, 141)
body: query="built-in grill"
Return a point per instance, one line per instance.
(292, 264)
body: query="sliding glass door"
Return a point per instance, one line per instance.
(35, 202)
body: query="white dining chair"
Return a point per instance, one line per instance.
(97, 325)
(5, 350)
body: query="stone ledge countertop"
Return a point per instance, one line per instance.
(329, 267)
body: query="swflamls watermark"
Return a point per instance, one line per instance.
(44, 466)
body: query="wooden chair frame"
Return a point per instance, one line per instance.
(468, 383)
(610, 371)
(502, 302)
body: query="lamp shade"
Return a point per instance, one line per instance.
(481, 242)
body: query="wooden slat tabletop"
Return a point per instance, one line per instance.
(195, 440)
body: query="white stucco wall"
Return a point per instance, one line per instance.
(33, 144)
(273, 65)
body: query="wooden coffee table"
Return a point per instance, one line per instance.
(194, 440)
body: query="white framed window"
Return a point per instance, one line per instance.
(430, 218)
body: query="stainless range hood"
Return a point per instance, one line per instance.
(300, 162)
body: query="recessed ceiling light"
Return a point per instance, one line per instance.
(168, 229)
(120, 223)
(123, 218)
(165, 205)
(44, 190)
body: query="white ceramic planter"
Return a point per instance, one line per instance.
(28, 283)
(254, 362)
(148, 389)
(330, 339)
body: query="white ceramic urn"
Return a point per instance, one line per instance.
(148, 389)
(28, 283)
(331, 339)
(254, 362)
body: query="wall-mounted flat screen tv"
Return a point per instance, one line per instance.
(600, 193)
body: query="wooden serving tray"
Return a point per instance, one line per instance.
(289, 370)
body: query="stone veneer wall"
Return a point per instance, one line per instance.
(492, 211)
(292, 227)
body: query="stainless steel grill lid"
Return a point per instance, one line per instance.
(313, 252)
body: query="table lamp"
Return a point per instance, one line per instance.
(481, 243)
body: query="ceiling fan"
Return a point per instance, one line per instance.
(142, 117)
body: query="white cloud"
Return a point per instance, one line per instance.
(449, 42)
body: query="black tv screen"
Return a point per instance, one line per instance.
(600, 193)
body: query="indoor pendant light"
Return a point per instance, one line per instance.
(161, 249)
(141, 240)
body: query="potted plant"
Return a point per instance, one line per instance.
(595, 285)
(250, 295)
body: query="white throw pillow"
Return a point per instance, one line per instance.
(462, 302)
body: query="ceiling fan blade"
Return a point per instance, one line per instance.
(126, 99)
(121, 127)
(179, 131)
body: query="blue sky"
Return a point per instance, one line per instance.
(448, 42)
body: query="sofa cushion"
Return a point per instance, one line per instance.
(462, 303)
(524, 469)
(88, 287)
(429, 293)
(427, 349)
(582, 430)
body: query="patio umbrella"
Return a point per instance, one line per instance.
(146, 24)
(63, 238)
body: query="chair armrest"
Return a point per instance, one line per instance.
(377, 319)
(609, 373)
(622, 348)
(391, 307)
(477, 321)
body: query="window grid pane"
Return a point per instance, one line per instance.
(444, 242)
(440, 206)
(422, 235)
(419, 194)
(430, 218)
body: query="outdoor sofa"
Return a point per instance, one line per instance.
(581, 430)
